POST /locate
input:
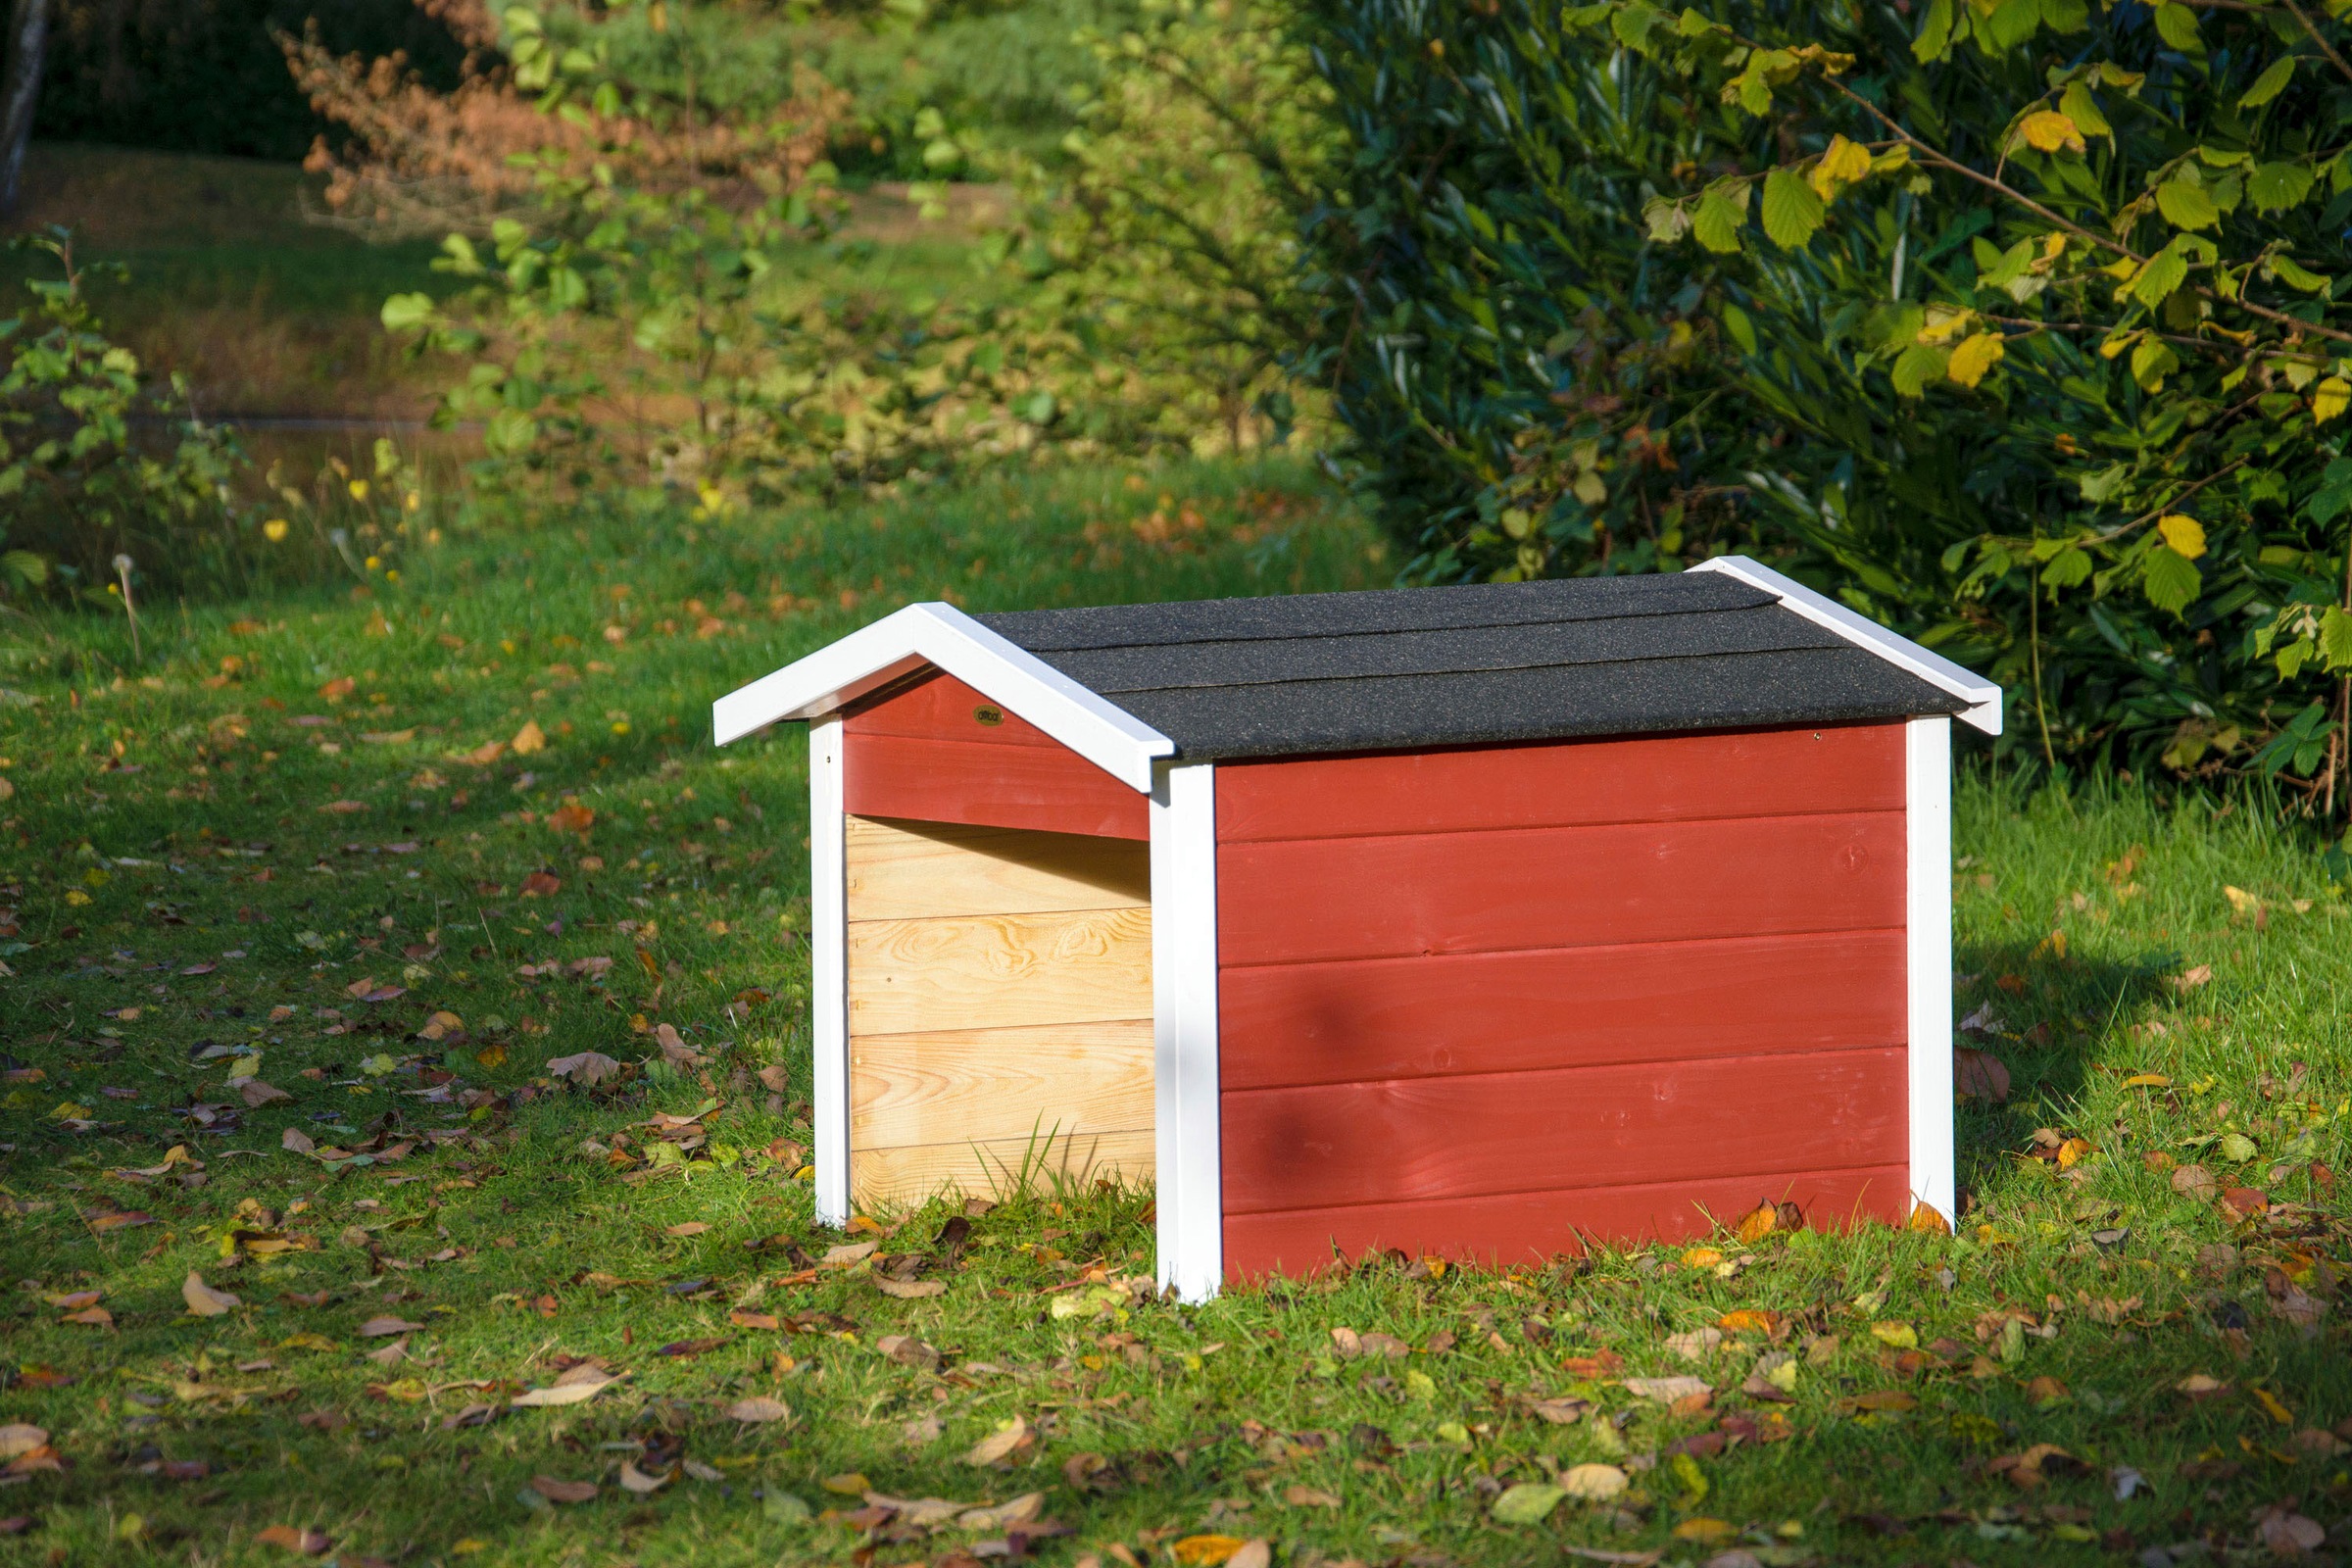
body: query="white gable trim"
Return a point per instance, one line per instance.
(1983, 696)
(1112, 739)
(1186, 1113)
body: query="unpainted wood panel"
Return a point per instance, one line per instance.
(1517, 889)
(894, 1177)
(999, 971)
(1406, 1017)
(938, 706)
(1523, 1227)
(1418, 1139)
(902, 871)
(1050, 789)
(1664, 778)
(999, 1083)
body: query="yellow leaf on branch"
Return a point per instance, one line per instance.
(2046, 131)
(2329, 399)
(1974, 358)
(2186, 535)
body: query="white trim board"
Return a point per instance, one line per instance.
(1105, 735)
(1927, 939)
(1187, 1154)
(1983, 696)
(828, 971)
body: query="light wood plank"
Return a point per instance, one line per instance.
(999, 1083)
(901, 870)
(999, 972)
(890, 1177)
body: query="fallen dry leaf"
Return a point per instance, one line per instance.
(295, 1140)
(2191, 979)
(376, 1328)
(576, 1384)
(528, 738)
(2194, 1181)
(541, 884)
(587, 1068)
(674, 1048)
(637, 1481)
(2287, 1532)
(570, 817)
(17, 1438)
(310, 1543)
(759, 1408)
(909, 1289)
(1298, 1496)
(692, 1227)
(999, 1443)
(1980, 1075)
(1594, 1483)
(1206, 1551)
(203, 1301)
(257, 1094)
(555, 1491)
(849, 1253)
(1665, 1390)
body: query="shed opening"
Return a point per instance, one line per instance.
(999, 1008)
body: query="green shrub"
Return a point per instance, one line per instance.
(1610, 288)
(94, 463)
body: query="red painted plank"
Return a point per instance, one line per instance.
(1309, 1023)
(938, 707)
(1665, 778)
(1413, 1139)
(1414, 894)
(1526, 1227)
(1052, 790)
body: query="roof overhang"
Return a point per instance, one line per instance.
(1983, 697)
(906, 640)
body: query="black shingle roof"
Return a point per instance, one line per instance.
(1451, 667)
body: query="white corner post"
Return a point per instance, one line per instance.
(1928, 922)
(1187, 1154)
(828, 971)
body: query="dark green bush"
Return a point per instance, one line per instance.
(1588, 309)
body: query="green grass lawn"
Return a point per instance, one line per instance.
(275, 884)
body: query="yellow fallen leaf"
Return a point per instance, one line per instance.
(2148, 1080)
(1206, 1551)
(1701, 1257)
(999, 1443)
(1899, 1336)
(2274, 1407)
(1707, 1531)
(528, 738)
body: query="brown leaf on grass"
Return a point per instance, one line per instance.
(343, 807)
(118, 1219)
(2199, 1386)
(528, 738)
(310, 1543)
(1298, 1496)
(701, 1347)
(541, 884)
(1980, 1075)
(2194, 1181)
(18, 1439)
(849, 1253)
(745, 1318)
(257, 1094)
(72, 1301)
(2191, 979)
(1002, 1444)
(297, 1141)
(692, 1227)
(555, 1490)
(759, 1409)
(570, 817)
(909, 1289)
(97, 1317)
(908, 1350)
(639, 1482)
(1667, 1391)
(2027, 1470)
(575, 1385)
(1206, 1551)
(203, 1301)
(2287, 1533)
(1561, 1412)
(674, 1048)
(587, 1068)
(2243, 1202)
(376, 1328)
(2046, 1390)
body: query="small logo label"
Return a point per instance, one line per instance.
(988, 715)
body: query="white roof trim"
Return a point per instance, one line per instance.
(1983, 696)
(1112, 739)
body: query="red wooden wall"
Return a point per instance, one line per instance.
(1480, 1002)
(927, 749)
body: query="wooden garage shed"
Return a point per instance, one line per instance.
(1472, 921)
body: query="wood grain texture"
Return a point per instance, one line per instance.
(1524, 888)
(1666, 778)
(1405, 1017)
(936, 705)
(1527, 1226)
(901, 870)
(1401, 1141)
(999, 971)
(1051, 791)
(1000, 1083)
(906, 1175)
